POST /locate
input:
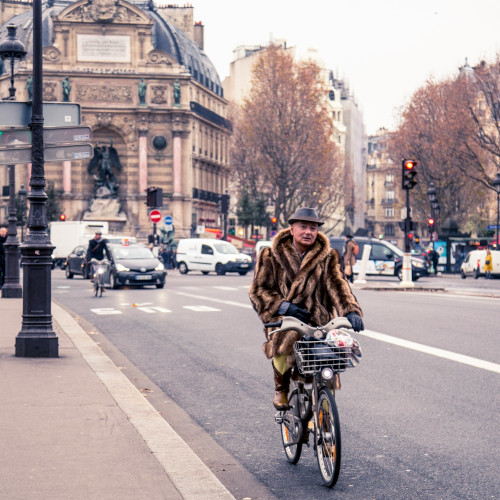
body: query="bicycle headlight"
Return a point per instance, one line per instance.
(327, 373)
(121, 268)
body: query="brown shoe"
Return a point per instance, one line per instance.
(280, 400)
(281, 385)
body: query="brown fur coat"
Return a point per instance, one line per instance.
(316, 284)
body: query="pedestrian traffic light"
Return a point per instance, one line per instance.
(409, 173)
(62, 217)
(274, 224)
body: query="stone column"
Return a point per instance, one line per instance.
(67, 177)
(143, 161)
(177, 170)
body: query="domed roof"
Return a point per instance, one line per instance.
(166, 37)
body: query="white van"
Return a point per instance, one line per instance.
(473, 265)
(205, 255)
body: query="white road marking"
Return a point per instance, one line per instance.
(220, 301)
(105, 310)
(201, 308)
(441, 353)
(62, 286)
(153, 309)
(143, 304)
(225, 287)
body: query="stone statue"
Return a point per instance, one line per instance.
(142, 92)
(29, 87)
(177, 93)
(105, 158)
(66, 89)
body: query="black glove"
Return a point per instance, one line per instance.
(297, 312)
(356, 321)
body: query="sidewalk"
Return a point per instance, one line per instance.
(74, 427)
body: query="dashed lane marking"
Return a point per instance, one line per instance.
(105, 310)
(220, 301)
(153, 309)
(230, 288)
(201, 308)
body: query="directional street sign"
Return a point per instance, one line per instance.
(51, 153)
(55, 114)
(168, 220)
(155, 216)
(12, 137)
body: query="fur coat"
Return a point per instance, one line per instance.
(316, 284)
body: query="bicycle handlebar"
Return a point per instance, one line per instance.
(318, 332)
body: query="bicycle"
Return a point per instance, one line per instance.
(321, 353)
(99, 273)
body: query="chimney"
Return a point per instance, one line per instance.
(199, 34)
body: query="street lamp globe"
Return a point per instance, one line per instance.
(13, 49)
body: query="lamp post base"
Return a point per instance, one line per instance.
(40, 346)
(12, 291)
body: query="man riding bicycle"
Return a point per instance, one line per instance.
(96, 250)
(300, 276)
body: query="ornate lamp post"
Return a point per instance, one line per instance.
(496, 185)
(37, 337)
(11, 48)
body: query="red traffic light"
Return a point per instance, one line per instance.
(274, 220)
(62, 217)
(409, 164)
(430, 222)
(410, 236)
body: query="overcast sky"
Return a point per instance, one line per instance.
(386, 49)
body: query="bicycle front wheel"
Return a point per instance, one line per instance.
(328, 441)
(291, 429)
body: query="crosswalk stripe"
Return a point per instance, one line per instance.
(220, 301)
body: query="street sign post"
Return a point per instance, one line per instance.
(155, 216)
(53, 152)
(55, 114)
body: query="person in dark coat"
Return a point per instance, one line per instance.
(97, 250)
(300, 276)
(3, 237)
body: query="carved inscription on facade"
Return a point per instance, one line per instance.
(103, 48)
(100, 93)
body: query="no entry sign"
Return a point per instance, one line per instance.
(155, 216)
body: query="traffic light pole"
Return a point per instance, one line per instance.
(407, 282)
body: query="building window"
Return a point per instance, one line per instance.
(331, 95)
(389, 212)
(389, 178)
(389, 230)
(389, 195)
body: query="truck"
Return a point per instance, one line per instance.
(65, 236)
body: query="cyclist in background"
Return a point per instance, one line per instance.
(96, 250)
(300, 276)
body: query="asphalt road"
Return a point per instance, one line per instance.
(418, 420)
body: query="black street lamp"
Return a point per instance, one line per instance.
(496, 185)
(37, 337)
(13, 49)
(21, 196)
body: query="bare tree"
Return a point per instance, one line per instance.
(282, 144)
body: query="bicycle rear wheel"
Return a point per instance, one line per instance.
(291, 429)
(328, 441)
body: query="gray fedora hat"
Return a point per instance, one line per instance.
(305, 214)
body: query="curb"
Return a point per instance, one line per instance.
(177, 459)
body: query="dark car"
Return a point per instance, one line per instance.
(385, 258)
(76, 263)
(135, 265)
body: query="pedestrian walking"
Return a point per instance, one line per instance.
(350, 252)
(488, 264)
(435, 260)
(3, 237)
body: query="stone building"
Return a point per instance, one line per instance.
(384, 195)
(147, 90)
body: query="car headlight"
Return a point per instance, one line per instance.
(159, 267)
(120, 268)
(417, 263)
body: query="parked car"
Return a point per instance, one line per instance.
(259, 246)
(205, 255)
(385, 258)
(473, 265)
(132, 264)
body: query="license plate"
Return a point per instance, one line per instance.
(244, 265)
(143, 277)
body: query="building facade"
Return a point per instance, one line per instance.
(146, 89)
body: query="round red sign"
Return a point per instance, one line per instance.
(155, 216)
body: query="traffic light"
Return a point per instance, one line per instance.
(154, 197)
(62, 217)
(430, 222)
(409, 173)
(274, 224)
(224, 203)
